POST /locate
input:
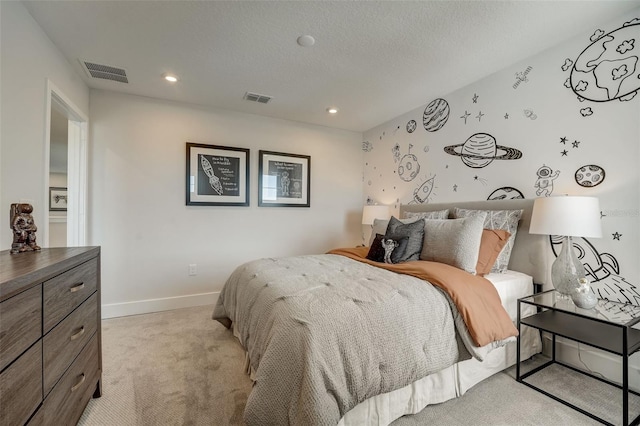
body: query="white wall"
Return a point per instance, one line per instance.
(149, 236)
(531, 117)
(29, 58)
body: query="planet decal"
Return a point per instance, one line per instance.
(506, 193)
(408, 168)
(481, 149)
(590, 176)
(608, 68)
(435, 115)
(411, 126)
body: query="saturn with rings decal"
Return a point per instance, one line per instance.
(480, 149)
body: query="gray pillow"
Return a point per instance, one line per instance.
(414, 230)
(455, 242)
(437, 214)
(498, 219)
(380, 227)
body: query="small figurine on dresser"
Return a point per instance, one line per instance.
(23, 227)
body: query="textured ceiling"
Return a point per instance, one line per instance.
(373, 60)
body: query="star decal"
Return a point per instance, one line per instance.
(564, 153)
(455, 188)
(616, 236)
(479, 116)
(475, 98)
(575, 144)
(563, 140)
(506, 116)
(465, 116)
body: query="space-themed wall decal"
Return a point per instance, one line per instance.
(465, 116)
(396, 153)
(564, 153)
(586, 112)
(522, 77)
(529, 114)
(367, 146)
(575, 144)
(480, 150)
(409, 167)
(480, 115)
(506, 193)
(422, 193)
(506, 116)
(475, 98)
(608, 68)
(544, 182)
(602, 270)
(481, 180)
(596, 35)
(411, 126)
(590, 175)
(616, 235)
(567, 64)
(435, 115)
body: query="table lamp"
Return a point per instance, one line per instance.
(566, 216)
(373, 212)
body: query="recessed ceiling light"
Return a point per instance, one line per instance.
(170, 78)
(332, 110)
(306, 40)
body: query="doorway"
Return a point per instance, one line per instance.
(66, 174)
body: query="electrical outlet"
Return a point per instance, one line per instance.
(193, 269)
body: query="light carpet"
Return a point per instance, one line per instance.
(182, 368)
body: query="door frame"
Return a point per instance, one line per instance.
(77, 158)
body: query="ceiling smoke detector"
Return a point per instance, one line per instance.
(104, 72)
(255, 97)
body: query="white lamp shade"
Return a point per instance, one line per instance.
(566, 215)
(370, 213)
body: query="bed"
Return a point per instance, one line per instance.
(336, 339)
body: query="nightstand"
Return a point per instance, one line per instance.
(610, 326)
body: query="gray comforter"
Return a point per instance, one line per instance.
(325, 332)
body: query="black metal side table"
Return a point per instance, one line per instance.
(609, 327)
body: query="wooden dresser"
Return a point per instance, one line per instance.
(50, 340)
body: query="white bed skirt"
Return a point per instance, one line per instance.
(442, 386)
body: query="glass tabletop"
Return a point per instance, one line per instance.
(606, 310)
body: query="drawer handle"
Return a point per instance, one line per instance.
(77, 385)
(77, 334)
(76, 287)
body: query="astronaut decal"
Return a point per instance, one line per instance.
(284, 184)
(544, 183)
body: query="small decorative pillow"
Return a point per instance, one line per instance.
(498, 219)
(491, 244)
(387, 250)
(437, 214)
(455, 242)
(414, 231)
(380, 227)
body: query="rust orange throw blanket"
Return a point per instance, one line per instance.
(476, 298)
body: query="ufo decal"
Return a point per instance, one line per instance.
(480, 150)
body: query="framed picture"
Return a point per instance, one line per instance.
(284, 180)
(217, 175)
(57, 199)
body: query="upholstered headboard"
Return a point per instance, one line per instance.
(530, 253)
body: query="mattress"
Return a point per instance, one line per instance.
(454, 381)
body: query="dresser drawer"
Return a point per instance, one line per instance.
(68, 399)
(65, 341)
(62, 294)
(21, 387)
(20, 324)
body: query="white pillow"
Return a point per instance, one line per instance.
(498, 219)
(455, 242)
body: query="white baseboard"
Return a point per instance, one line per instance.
(137, 307)
(597, 361)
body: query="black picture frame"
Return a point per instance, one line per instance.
(284, 180)
(217, 175)
(57, 199)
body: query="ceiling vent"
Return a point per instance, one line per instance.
(105, 72)
(255, 97)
